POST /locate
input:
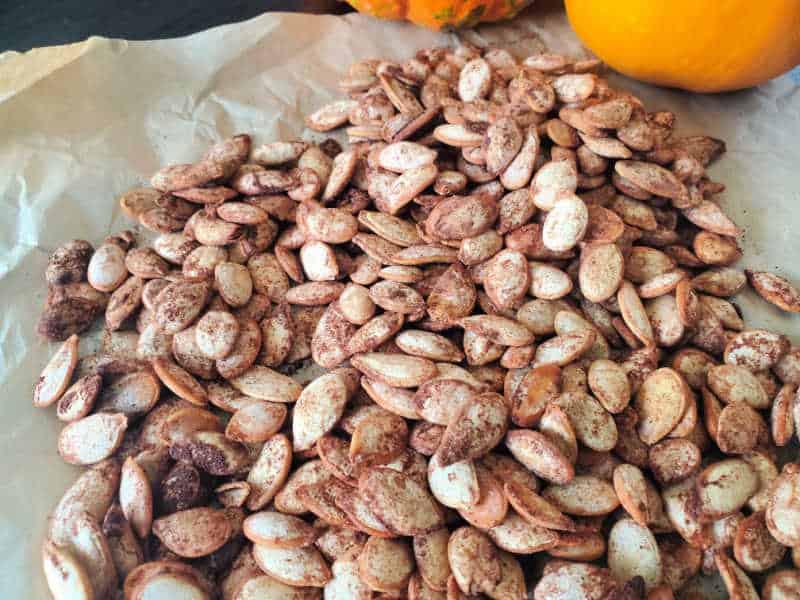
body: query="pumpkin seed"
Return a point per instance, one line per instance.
(553, 180)
(475, 429)
(783, 508)
(55, 377)
(724, 487)
(270, 471)
(672, 460)
(296, 567)
(216, 333)
(430, 553)
(89, 546)
(402, 504)
(520, 536)
(585, 495)
(378, 439)
(276, 530)
(265, 384)
(633, 551)
(92, 439)
(256, 422)
(346, 581)
(385, 565)
(473, 560)
(136, 497)
(541, 455)
(398, 370)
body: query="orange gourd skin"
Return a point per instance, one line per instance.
(441, 14)
(697, 45)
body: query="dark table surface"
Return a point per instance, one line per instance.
(25, 24)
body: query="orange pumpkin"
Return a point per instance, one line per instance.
(441, 14)
(698, 45)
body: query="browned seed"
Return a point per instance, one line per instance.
(475, 429)
(720, 281)
(79, 398)
(194, 532)
(651, 177)
(661, 402)
(398, 370)
(609, 383)
(179, 381)
(460, 217)
(500, 330)
(563, 349)
(386, 565)
(587, 579)
(566, 224)
(179, 304)
(673, 459)
(394, 229)
(136, 497)
(378, 439)
(585, 495)
(187, 354)
(492, 505)
(374, 332)
(605, 146)
(269, 473)
(593, 426)
(145, 263)
(256, 422)
(473, 560)
(92, 439)
(782, 507)
(507, 278)
(754, 547)
(633, 551)
(611, 114)
(552, 181)
(775, 289)
(216, 333)
(601, 271)
(396, 297)
(724, 487)
(756, 349)
(263, 383)
(234, 283)
(518, 535)
(402, 504)
(709, 216)
(474, 80)
(276, 530)
(541, 455)
(634, 314)
(56, 376)
(318, 408)
(424, 254)
(330, 116)
(134, 394)
(314, 293)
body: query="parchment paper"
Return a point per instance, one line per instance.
(80, 124)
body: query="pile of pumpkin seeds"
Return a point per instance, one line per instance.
(488, 348)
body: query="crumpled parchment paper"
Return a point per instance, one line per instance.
(80, 124)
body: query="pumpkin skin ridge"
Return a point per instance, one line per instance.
(697, 46)
(442, 15)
